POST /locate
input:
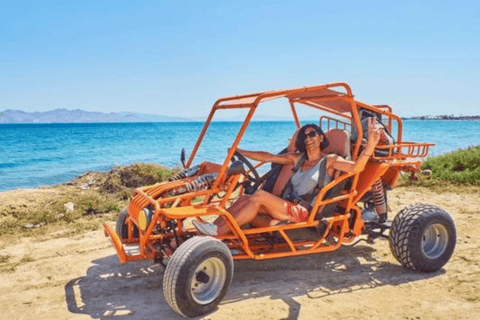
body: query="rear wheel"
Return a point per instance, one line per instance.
(198, 276)
(422, 237)
(121, 228)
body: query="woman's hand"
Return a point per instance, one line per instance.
(374, 134)
(374, 131)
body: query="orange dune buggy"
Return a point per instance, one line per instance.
(157, 223)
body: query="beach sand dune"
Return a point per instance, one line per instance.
(80, 278)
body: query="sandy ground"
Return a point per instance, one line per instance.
(80, 278)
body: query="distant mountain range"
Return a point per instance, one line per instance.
(64, 116)
(81, 116)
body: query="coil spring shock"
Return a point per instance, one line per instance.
(178, 176)
(185, 173)
(201, 183)
(379, 197)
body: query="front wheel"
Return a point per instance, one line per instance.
(422, 237)
(198, 276)
(121, 227)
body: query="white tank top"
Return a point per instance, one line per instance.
(303, 182)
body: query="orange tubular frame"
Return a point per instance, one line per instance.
(171, 211)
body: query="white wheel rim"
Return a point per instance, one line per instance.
(208, 280)
(434, 241)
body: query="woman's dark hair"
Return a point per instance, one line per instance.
(300, 143)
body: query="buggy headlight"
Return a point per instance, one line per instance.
(144, 218)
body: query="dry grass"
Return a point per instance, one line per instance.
(96, 196)
(4, 258)
(437, 186)
(8, 266)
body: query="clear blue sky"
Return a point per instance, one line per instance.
(176, 58)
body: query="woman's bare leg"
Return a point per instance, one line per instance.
(261, 220)
(236, 206)
(239, 203)
(248, 209)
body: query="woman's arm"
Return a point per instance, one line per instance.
(291, 157)
(338, 163)
(287, 158)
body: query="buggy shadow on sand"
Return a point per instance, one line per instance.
(135, 289)
(156, 225)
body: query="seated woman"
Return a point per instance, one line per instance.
(254, 208)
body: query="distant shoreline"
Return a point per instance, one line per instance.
(444, 117)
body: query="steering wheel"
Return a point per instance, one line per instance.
(256, 177)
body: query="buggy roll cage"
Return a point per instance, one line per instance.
(344, 226)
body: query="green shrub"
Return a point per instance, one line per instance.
(134, 176)
(164, 173)
(151, 170)
(112, 207)
(461, 166)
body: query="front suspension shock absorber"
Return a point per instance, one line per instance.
(199, 184)
(185, 173)
(379, 201)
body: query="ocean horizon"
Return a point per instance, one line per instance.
(40, 154)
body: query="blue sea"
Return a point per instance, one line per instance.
(33, 155)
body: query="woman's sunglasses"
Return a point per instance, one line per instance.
(311, 134)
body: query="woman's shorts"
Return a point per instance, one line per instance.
(297, 212)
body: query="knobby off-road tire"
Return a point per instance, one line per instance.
(121, 227)
(198, 276)
(422, 237)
